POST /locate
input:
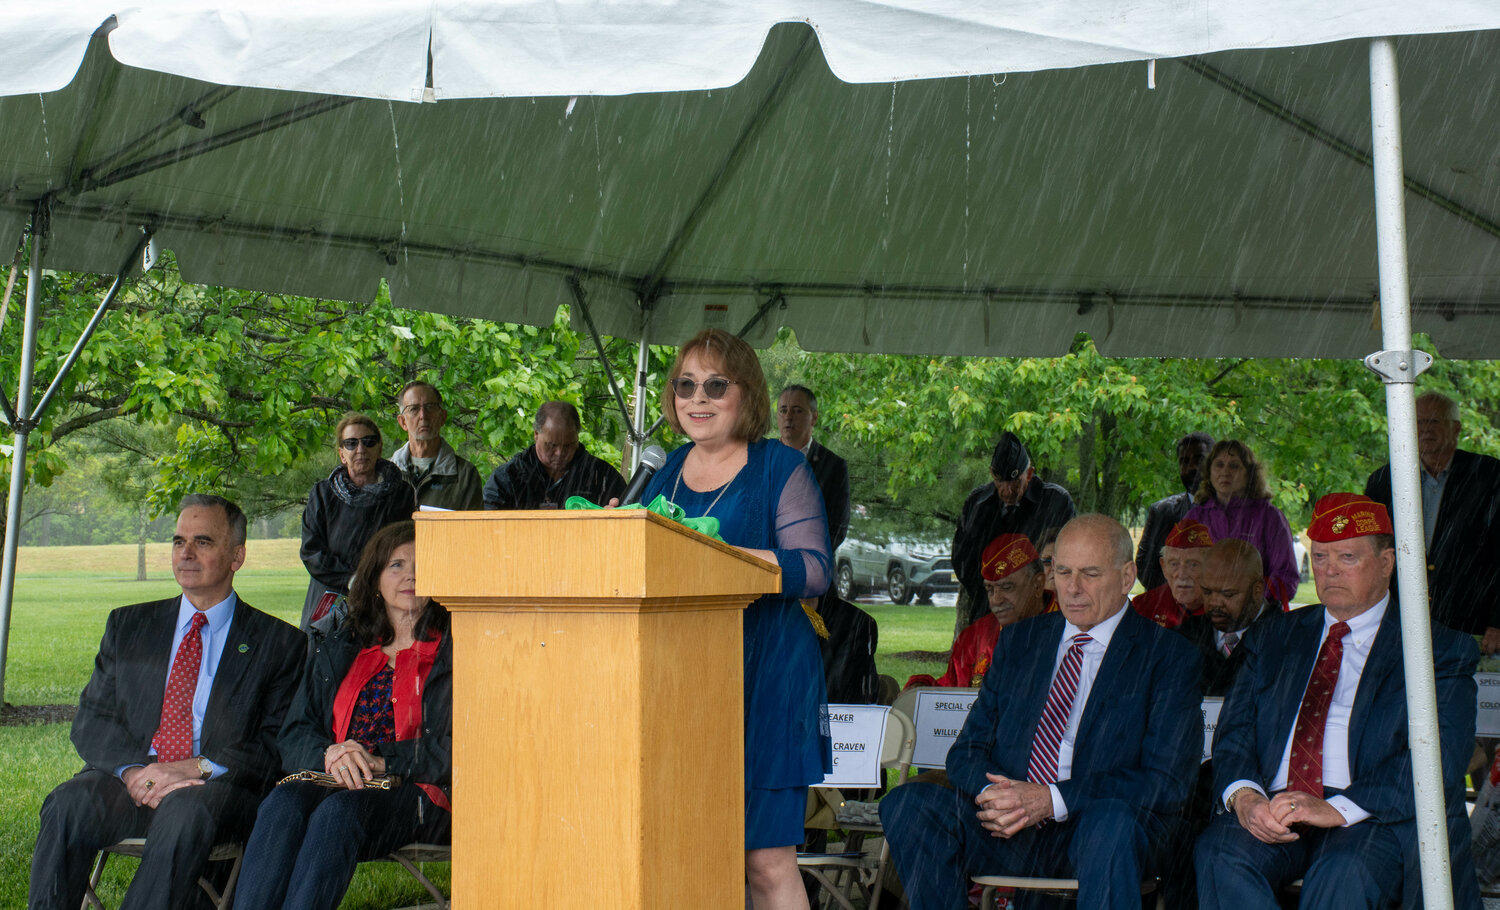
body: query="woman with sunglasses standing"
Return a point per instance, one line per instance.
(767, 503)
(362, 495)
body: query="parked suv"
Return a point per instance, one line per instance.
(902, 566)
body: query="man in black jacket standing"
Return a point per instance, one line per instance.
(1015, 502)
(796, 415)
(555, 467)
(1460, 509)
(1164, 513)
(177, 726)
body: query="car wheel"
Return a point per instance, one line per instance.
(843, 582)
(897, 587)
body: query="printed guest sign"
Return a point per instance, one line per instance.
(858, 732)
(1489, 704)
(939, 715)
(1212, 705)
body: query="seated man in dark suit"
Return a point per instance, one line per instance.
(1233, 586)
(177, 726)
(1232, 582)
(1090, 723)
(1312, 758)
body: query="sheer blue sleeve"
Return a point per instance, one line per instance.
(801, 536)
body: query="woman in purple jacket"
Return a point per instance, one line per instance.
(1235, 501)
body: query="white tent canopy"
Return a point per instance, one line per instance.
(686, 161)
(942, 177)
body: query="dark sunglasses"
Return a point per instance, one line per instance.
(354, 442)
(714, 388)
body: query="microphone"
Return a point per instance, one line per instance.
(652, 458)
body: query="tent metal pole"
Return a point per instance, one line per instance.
(23, 426)
(576, 287)
(1399, 366)
(88, 330)
(638, 432)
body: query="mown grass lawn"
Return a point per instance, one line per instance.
(63, 595)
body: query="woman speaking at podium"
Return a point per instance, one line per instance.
(768, 504)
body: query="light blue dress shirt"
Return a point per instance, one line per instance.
(215, 634)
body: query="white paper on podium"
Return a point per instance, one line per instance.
(1212, 705)
(858, 732)
(939, 717)
(1489, 704)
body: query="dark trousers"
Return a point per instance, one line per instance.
(937, 843)
(93, 809)
(1354, 867)
(309, 839)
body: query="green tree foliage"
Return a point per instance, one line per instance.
(247, 386)
(919, 430)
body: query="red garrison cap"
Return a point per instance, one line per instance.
(1004, 555)
(1187, 535)
(1344, 516)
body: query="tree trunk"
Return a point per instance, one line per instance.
(1111, 494)
(1088, 472)
(140, 545)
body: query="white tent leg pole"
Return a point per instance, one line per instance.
(1399, 366)
(22, 427)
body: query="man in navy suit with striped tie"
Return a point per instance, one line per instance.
(1078, 753)
(1312, 764)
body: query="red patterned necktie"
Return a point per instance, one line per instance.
(1042, 768)
(174, 738)
(1304, 770)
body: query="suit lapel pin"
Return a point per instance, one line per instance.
(244, 648)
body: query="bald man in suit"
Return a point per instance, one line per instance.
(1078, 753)
(177, 726)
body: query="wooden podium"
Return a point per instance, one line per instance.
(598, 746)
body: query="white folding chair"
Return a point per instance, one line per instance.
(134, 846)
(857, 872)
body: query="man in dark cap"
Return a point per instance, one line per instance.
(1015, 502)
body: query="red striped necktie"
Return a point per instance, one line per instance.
(1042, 769)
(1305, 767)
(174, 736)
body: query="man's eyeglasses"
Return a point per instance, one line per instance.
(715, 388)
(354, 442)
(412, 410)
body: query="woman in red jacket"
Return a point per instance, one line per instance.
(376, 700)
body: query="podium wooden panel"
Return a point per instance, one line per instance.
(598, 754)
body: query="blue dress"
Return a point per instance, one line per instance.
(773, 504)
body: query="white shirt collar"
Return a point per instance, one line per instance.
(1364, 626)
(218, 615)
(1101, 633)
